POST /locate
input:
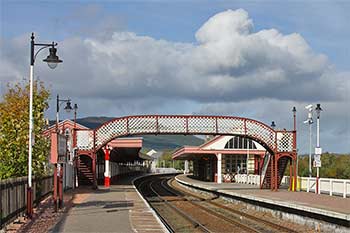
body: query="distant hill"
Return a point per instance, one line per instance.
(157, 142)
(160, 142)
(93, 122)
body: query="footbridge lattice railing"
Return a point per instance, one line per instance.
(277, 141)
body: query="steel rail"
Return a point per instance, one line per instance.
(221, 216)
(182, 213)
(166, 224)
(237, 212)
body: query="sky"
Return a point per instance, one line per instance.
(236, 58)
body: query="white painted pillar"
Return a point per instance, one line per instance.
(186, 167)
(219, 172)
(107, 172)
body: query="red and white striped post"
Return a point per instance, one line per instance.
(107, 172)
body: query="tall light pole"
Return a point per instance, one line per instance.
(309, 121)
(75, 115)
(74, 145)
(294, 110)
(68, 108)
(58, 167)
(318, 149)
(52, 61)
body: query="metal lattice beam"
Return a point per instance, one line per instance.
(188, 125)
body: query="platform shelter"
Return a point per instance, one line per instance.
(222, 157)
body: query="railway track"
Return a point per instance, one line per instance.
(173, 218)
(261, 225)
(182, 211)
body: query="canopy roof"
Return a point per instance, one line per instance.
(126, 150)
(212, 148)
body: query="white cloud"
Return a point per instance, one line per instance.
(229, 65)
(224, 25)
(334, 121)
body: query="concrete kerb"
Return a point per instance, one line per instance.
(335, 217)
(289, 205)
(144, 200)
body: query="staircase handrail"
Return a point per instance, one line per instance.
(266, 163)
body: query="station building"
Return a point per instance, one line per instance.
(222, 156)
(124, 157)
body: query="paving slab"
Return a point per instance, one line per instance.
(117, 209)
(331, 206)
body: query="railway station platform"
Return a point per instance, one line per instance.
(117, 209)
(327, 208)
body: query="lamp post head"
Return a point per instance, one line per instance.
(294, 109)
(75, 107)
(309, 107)
(52, 59)
(318, 110)
(68, 107)
(309, 121)
(273, 125)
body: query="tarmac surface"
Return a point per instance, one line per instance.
(118, 209)
(329, 206)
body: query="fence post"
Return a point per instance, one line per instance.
(344, 193)
(330, 187)
(308, 185)
(319, 185)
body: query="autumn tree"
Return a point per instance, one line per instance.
(333, 166)
(166, 161)
(14, 129)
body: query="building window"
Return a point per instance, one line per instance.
(241, 143)
(236, 164)
(238, 142)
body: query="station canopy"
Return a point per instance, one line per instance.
(127, 150)
(220, 145)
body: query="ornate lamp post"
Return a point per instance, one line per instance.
(68, 108)
(294, 110)
(52, 60)
(58, 172)
(273, 125)
(75, 115)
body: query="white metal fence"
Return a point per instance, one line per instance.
(164, 170)
(336, 187)
(247, 179)
(330, 186)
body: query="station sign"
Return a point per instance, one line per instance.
(317, 163)
(58, 148)
(318, 150)
(317, 157)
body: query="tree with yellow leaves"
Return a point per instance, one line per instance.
(14, 129)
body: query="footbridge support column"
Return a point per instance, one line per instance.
(107, 173)
(94, 171)
(219, 178)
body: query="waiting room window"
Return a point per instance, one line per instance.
(236, 164)
(238, 142)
